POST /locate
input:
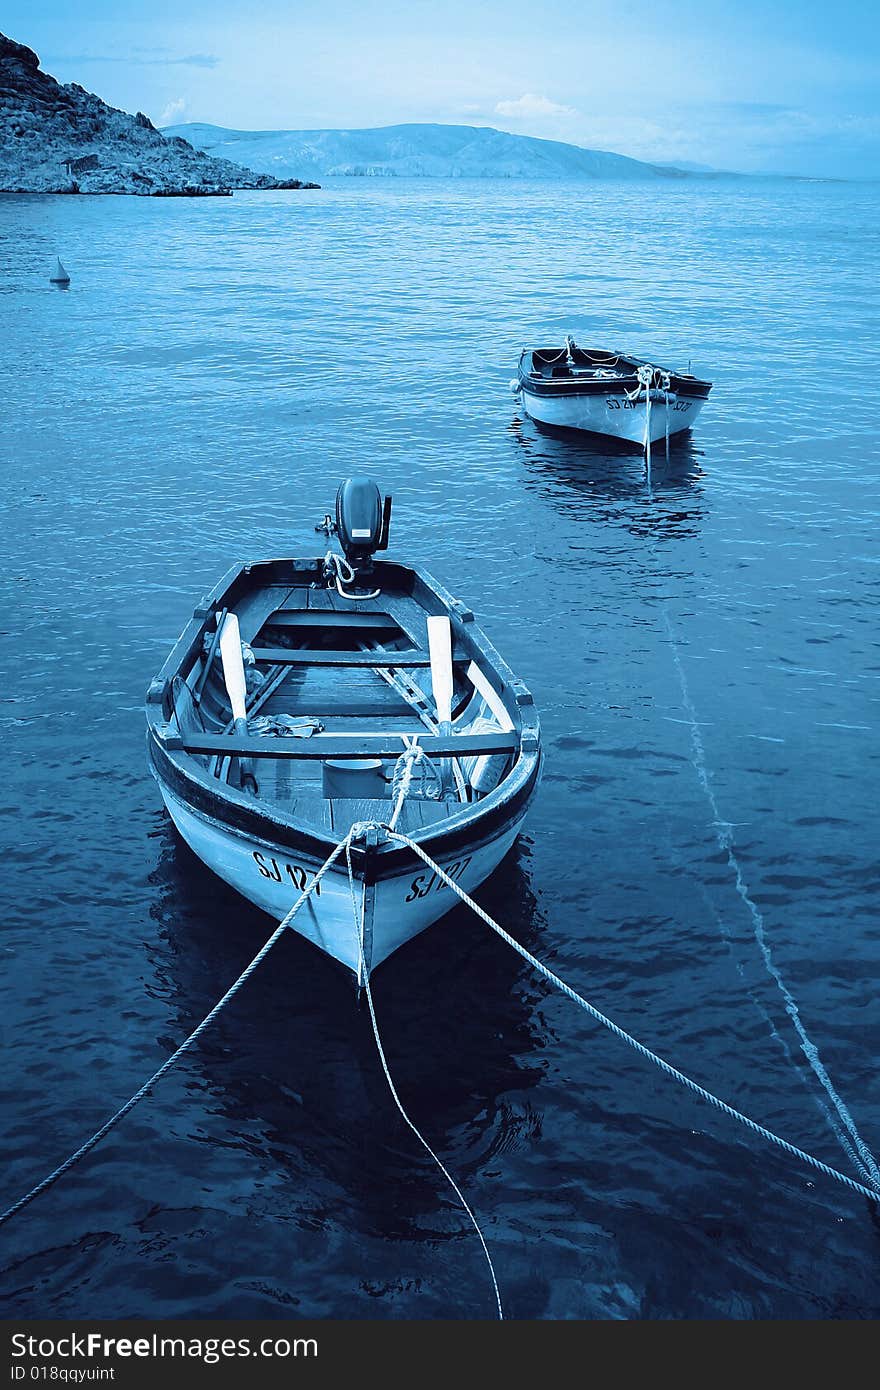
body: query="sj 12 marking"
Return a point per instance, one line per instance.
(278, 872)
(423, 884)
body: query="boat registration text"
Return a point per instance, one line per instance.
(426, 883)
(295, 873)
(615, 403)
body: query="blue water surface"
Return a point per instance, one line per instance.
(704, 656)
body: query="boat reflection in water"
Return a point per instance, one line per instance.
(292, 1068)
(588, 479)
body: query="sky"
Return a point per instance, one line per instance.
(772, 87)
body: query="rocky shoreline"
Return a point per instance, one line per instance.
(63, 139)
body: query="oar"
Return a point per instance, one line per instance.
(440, 651)
(236, 689)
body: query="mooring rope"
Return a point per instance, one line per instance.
(364, 976)
(872, 1193)
(356, 831)
(335, 567)
(857, 1151)
(645, 378)
(666, 385)
(868, 1165)
(185, 1046)
(401, 779)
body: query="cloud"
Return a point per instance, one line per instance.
(757, 137)
(173, 112)
(529, 106)
(191, 60)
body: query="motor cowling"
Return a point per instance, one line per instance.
(362, 521)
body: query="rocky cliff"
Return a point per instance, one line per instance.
(63, 139)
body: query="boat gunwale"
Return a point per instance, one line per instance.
(690, 387)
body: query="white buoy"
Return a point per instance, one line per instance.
(61, 276)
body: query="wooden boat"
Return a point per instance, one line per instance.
(608, 393)
(282, 712)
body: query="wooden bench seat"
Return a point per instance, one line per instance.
(357, 745)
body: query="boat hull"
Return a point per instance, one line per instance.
(396, 908)
(613, 415)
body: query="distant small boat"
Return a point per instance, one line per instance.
(350, 662)
(608, 393)
(60, 275)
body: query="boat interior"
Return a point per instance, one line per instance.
(573, 361)
(316, 665)
(591, 364)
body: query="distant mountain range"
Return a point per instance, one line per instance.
(689, 167)
(416, 151)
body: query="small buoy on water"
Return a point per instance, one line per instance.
(514, 384)
(60, 276)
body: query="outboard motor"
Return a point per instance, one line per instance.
(362, 521)
(362, 524)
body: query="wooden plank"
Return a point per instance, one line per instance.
(185, 707)
(411, 693)
(319, 602)
(357, 708)
(294, 605)
(321, 617)
(409, 616)
(349, 605)
(417, 813)
(402, 611)
(353, 745)
(256, 607)
(293, 656)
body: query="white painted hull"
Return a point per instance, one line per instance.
(271, 879)
(614, 415)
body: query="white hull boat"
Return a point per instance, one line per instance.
(609, 394)
(351, 662)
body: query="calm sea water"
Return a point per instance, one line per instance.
(214, 370)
